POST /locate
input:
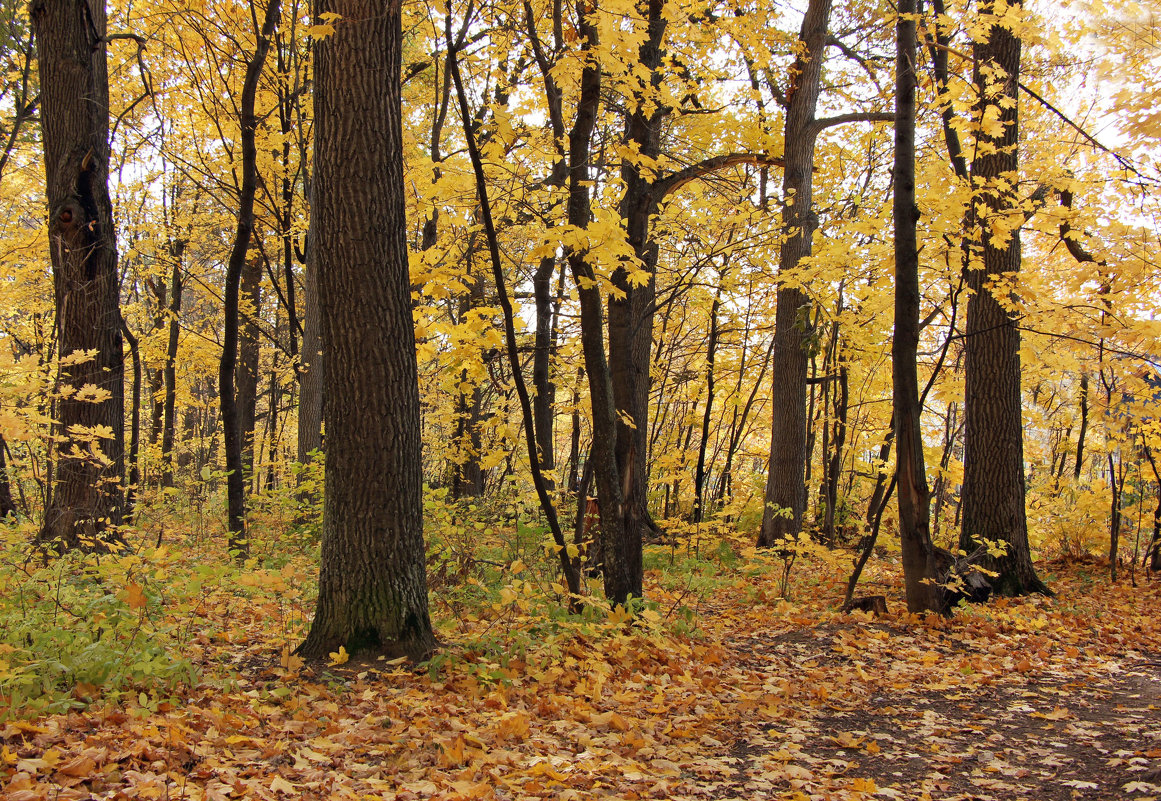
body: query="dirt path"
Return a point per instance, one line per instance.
(1036, 734)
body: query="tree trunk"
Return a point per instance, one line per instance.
(544, 348)
(372, 582)
(134, 464)
(1083, 427)
(156, 287)
(1153, 555)
(312, 364)
(711, 351)
(631, 314)
(232, 414)
(994, 486)
(620, 540)
(919, 568)
(246, 375)
(7, 505)
(1117, 486)
(87, 501)
(169, 406)
(785, 500)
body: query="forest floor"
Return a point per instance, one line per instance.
(723, 690)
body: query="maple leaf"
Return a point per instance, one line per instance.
(135, 596)
(339, 657)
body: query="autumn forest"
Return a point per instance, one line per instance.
(616, 399)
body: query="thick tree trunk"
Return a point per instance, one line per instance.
(1116, 485)
(785, 500)
(993, 488)
(372, 583)
(919, 567)
(87, 500)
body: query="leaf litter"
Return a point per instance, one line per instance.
(1031, 698)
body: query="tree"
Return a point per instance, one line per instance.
(994, 483)
(233, 401)
(372, 582)
(919, 568)
(86, 501)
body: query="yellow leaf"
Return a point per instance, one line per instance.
(135, 596)
(513, 725)
(281, 785)
(339, 657)
(290, 661)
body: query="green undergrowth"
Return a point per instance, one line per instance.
(174, 610)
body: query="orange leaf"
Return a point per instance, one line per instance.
(136, 596)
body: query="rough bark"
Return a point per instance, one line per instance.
(994, 485)
(86, 502)
(372, 582)
(785, 499)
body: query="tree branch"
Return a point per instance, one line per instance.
(818, 126)
(664, 187)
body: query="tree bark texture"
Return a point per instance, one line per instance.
(372, 582)
(785, 500)
(994, 486)
(87, 498)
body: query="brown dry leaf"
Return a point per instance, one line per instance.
(78, 766)
(451, 753)
(611, 719)
(512, 725)
(281, 785)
